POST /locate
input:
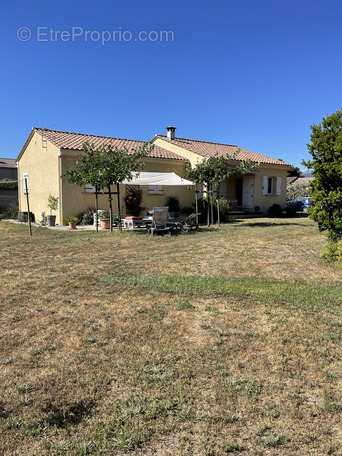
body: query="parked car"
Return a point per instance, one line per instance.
(307, 203)
(296, 205)
(301, 204)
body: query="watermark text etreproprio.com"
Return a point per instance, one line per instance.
(77, 34)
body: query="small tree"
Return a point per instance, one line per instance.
(52, 203)
(105, 166)
(326, 163)
(214, 170)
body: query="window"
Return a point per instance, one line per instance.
(155, 189)
(25, 176)
(271, 186)
(89, 188)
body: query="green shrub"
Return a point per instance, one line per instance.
(332, 251)
(11, 185)
(202, 208)
(187, 210)
(290, 211)
(87, 217)
(275, 211)
(11, 213)
(224, 208)
(173, 203)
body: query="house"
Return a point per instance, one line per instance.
(8, 169)
(8, 183)
(47, 154)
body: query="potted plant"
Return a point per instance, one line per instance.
(53, 205)
(105, 220)
(173, 204)
(71, 221)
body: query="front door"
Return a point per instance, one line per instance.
(238, 191)
(247, 192)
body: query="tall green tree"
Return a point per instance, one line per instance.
(212, 171)
(105, 166)
(326, 163)
(294, 171)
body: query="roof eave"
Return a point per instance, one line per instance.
(30, 136)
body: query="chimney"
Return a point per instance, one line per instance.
(171, 132)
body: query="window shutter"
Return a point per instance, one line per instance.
(278, 191)
(155, 189)
(25, 176)
(89, 188)
(264, 185)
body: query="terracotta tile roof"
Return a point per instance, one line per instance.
(300, 180)
(74, 141)
(7, 162)
(210, 149)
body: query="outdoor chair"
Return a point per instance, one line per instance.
(188, 224)
(159, 221)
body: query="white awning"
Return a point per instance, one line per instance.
(146, 178)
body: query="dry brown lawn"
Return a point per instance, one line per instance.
(227, 341)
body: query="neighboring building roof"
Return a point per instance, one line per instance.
(75, 141)
(7, 163)
(299, 180)
(211, 149)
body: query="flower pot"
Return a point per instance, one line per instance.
(105, 224)
(51, 220)
(72, 225)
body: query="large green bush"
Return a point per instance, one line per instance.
(332, 251)
(326, 164)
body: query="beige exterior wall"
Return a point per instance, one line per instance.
(266, 201)
(41, 164)
(75, 200)
(263, 201)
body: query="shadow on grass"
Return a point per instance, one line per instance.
(270, 223)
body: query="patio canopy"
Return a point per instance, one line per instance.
(146, 178)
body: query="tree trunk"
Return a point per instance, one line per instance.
(110, 208)
(97, 210)
(119, 211)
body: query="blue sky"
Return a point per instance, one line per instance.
(256, 73)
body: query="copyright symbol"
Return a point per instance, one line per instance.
(24, 34)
